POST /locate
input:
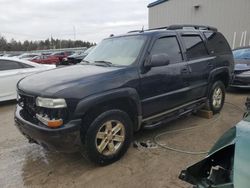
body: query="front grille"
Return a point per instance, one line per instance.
(28, 103)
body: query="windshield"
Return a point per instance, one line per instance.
(118, 51)
(242, 54)
(89, 50)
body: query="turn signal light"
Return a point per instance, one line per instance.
(54, 123)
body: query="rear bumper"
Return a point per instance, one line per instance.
(63, 139)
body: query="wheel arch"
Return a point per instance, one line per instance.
(126, 99)
(222, 74)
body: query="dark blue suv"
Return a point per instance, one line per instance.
(140, 79)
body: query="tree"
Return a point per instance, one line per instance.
(49, 43)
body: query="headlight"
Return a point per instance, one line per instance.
(50, 103)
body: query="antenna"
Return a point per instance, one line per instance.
(142, 29)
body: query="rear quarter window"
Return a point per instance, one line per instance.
(217, 43)
(195, 47)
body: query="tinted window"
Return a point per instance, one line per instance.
(24, 65)
(195, 46)
(9, 65)
(170, 46)
(216, 42)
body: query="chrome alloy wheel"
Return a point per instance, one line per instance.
(217, 97)
(110, 137)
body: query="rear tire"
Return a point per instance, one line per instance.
(108, 137)
(216, 97)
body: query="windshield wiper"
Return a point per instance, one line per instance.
(104, 62)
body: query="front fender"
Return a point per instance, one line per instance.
(85, 104)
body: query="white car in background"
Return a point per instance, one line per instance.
(28, 56)
(12, 70)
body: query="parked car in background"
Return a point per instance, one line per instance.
(242, 68)
(61, 55)
(12, 70)
(228, 162)
(76, 57)
(12, 54)
(28, 56)
(139, 79)
(46, 59)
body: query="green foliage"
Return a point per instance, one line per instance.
(51, 43)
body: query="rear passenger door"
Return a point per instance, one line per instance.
(199, 62)
(163, 88)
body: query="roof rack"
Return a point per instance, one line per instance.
(175, 27)
(157, 28)
(198, 27)
(136, 31)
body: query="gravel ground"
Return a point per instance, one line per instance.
(28, 165)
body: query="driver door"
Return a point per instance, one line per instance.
(165, 87)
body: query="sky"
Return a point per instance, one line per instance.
(89, 20)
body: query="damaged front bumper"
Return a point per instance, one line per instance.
(62, 139)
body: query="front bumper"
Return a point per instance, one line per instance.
(241, 81)
(63, 139)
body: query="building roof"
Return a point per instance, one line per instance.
(156, 3)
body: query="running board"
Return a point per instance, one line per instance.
(173, 115)
(166, 120)
(203, 100)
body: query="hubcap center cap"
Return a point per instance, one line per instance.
(110, 136)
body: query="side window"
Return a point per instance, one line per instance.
(170, 46)
(216, 42)
(195, 47)
(24, 65)
(9, 65)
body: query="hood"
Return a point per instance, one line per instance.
(242, 65)
(242, 155)
(50, 82)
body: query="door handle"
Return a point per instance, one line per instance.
(184, 71)
(210, 65)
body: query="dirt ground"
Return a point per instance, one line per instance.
(28, 165)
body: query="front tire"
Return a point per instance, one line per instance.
(108, 137)
(216, 97)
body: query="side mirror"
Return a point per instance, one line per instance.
(157, 60)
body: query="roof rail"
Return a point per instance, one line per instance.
(198, 27)
(141, 31)
(157, 28)
(136, 31)
(175, 27)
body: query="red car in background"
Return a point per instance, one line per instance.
(44, 59)
(61, 55)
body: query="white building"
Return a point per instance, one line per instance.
(231, 17)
